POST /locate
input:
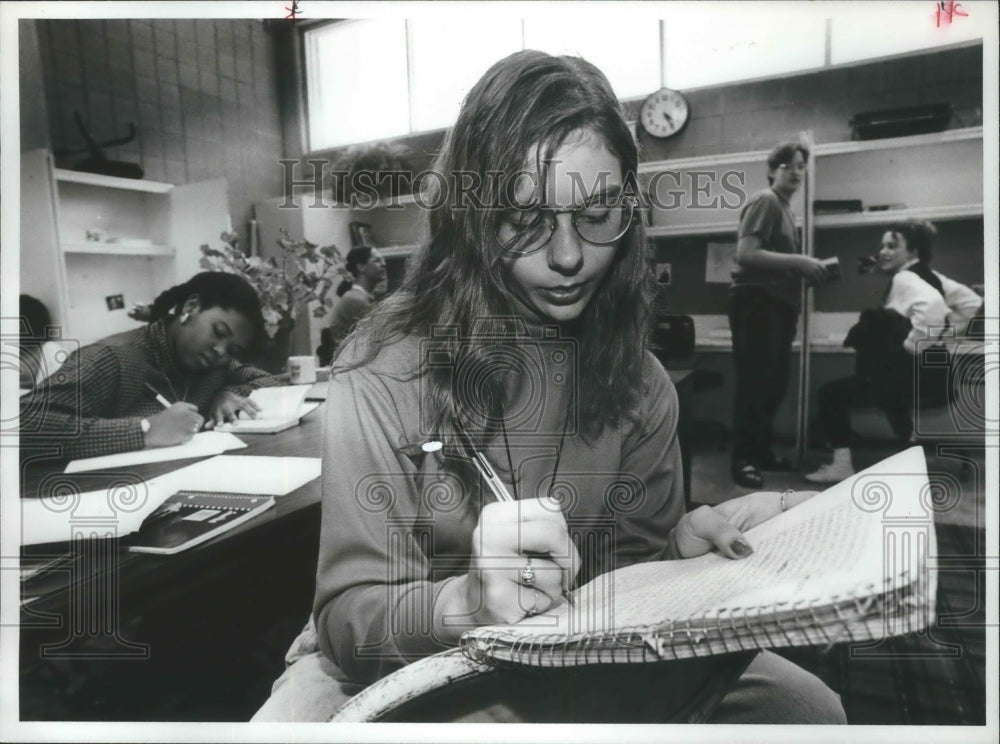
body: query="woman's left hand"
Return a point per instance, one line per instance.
(753, 508)
(227, 407)
(721, 527)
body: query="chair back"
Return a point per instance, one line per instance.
(673, 338)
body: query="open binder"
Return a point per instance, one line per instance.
(850, 564)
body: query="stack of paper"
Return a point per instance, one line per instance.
(200, 445)
(120, 510)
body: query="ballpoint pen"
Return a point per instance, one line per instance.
(159, 398)
(497, 486)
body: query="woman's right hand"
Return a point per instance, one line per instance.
(174, 425)
(507, 536)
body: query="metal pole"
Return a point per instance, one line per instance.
(808, 240)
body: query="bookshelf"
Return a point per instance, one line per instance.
(396, 230)
(86, 237)
(938, 177)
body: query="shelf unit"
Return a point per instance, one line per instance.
(938, 177)
(148, 239)
(117, 249)
(395, 224)
(112, 182)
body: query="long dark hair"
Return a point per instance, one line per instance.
(457, 278)
(214, 289)
(356, 258)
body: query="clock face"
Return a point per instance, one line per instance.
(664, 113)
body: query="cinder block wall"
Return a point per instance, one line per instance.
(202, 94)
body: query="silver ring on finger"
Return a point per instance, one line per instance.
(528, 574)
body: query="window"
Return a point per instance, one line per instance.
(894, 28)
(713, 44)
(356, 82)
(447, 57)
(379, 78)
(628, 53)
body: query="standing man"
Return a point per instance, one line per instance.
(764, 306)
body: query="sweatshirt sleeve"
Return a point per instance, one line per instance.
(72, 407)
(374, 584)
(651, 453)
(243, 379)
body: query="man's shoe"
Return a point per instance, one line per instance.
(745, 473)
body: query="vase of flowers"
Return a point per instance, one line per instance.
(302, 275)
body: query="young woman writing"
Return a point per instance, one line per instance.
(520, 328)
(159, 384)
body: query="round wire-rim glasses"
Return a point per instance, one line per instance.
(527, 230)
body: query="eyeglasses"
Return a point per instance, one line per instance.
(798, 168)
(602, 221)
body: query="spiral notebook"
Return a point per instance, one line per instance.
(850, 564)
(191, 517)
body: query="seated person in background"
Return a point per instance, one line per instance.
(918, 305)
(106, 399)
(560, 252)
(356, 298)
(40, 356)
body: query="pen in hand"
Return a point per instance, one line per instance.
(497, 486)
(159, 398)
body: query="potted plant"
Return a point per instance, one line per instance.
(303, 275)
(378, 165)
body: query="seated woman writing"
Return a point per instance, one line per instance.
(920, 305)
(156, 385)
(521, 328)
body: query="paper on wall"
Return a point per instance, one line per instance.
(720, 260)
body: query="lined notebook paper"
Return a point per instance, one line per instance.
(819, 574)
(850, 564)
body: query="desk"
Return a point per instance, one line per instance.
(133, 629)
(135, 570)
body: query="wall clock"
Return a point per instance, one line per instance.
(664, 113)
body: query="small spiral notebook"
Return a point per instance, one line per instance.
(191, 517)
(850, 564)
